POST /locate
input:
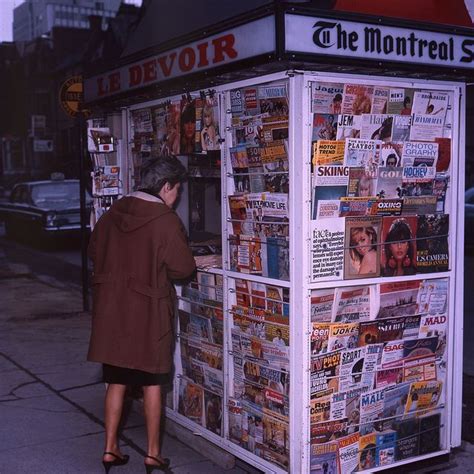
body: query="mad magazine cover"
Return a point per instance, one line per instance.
(432, 252)
(435, 326)
(399, 246)
(361, 253)
(326, 97)
(327, 249)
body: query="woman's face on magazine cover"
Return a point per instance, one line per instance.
(399, 250)
(362, 242)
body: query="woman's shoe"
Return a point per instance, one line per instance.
(161, 466)
(118, 461)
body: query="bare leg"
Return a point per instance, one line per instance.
(152, 408)
(113, 412)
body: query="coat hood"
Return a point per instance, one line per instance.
(131, 213)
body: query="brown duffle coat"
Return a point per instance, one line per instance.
(137, 248)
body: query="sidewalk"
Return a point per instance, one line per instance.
(51, 398)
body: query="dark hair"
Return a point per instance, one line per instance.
(155, 173)
(406, 100)
(399, 232)
(391, 155)
(188, 114)
(337, 98)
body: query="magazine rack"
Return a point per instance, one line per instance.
(297, 355)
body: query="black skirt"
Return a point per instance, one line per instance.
(124, 376)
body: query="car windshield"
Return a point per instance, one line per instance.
(60, 193)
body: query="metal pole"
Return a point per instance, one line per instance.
(84, 216)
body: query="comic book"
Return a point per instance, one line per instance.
(328, 152)
(325, 373)
(352, 304)
(322, 302)
(399, 245)
(357, 99)
(432, 250)
(327, 249)
(361, 253)
(348, 453)
(348, 126)
(326, 97)
(376, 127)
(398, 299)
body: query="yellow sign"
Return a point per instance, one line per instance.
(71, 96)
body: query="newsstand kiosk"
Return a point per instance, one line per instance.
(329, 338)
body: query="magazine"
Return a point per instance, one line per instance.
(433, 296)
(327, 249)
(423, 397)
(238, 214)
(420, 154)
(389, 182)
(390, 154)
(240, 168)
(328, 152)
(401, 128)
(322, 302)
(440, 188)
(361, 256)
(407, 444)
(367, 451)
(274, 158)
(420, 369)
(444, 154)
(319, 338)
(324, 373)
(255, 168)
(324, 127)
(352, 304)
(417, 205)
(380, 100)
(398, 299)
(432, 252)
(348, 455)
(371, 410)
(320, 408)
(385, 451)
(355, 206)
(363, 152)
(191, 401)
(415, 348)
(394, 406)
(343, 336)
(391, 329)
(324, 458)
(348, 126)
(399, 246)
(326, 199)
(429, 113)
(106, 181)
(235, 420)
(430, 436)
(273, 99)
(357, 99)
(350, 371)
(400, 101)
(326, 97)
(376, 127)
(213, 412)
(361, 183)
(435, 326)
(276, 440)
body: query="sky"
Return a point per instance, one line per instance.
(6, 17)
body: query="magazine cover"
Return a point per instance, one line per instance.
(348, 453)
(327, 249)
(362, 184)
(368, 333)
(188, 127)
(352, 304)
(238, 214)
(213, 412)
(401, 128)
(433, 296)
(320, 408)
(276, 439)
(429, 113)
(361, 254)
(392, 353)
(390, 154)
(395, 401)
(191, 399)
(357, 99)
(435, 326)
(326, 97)
(253, 431)
(440, 189)
(420, 154)
(348, 126)
(274, 159)
(322, 302)
(240, 168)
(391, 329)
(417, 205)
(106, 181)
(363, 152)
(444, 154)
(235, 420)
(343, 336)
(355, 206)
(255, 166)
(420, 369)
(367, 451)
(209, 124)
(322, 433)
(325, 373)
(380, 100)
(430, 436)
(373, 354)
(326, 201)
(399, 246)
(385, 451)
(408, 438)
(274, 128)
(400, 101)
(345, 406)
(423, 397)
(398, 299)
(376, 127)
(425, 347)
(350, 371)
(328, 152)
(319, 338)
(389, 182)
(432, 252)
(371, 410)
(324, 458)
(324, 127)
(273, 99)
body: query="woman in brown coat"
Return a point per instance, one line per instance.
(138, 247)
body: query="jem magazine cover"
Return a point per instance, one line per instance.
(399, 246)
(326, 97)
(361, 252)
(348, 126)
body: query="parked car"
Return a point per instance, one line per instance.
(469, 218)
(40, 209)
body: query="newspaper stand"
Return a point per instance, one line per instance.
(303, 51)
